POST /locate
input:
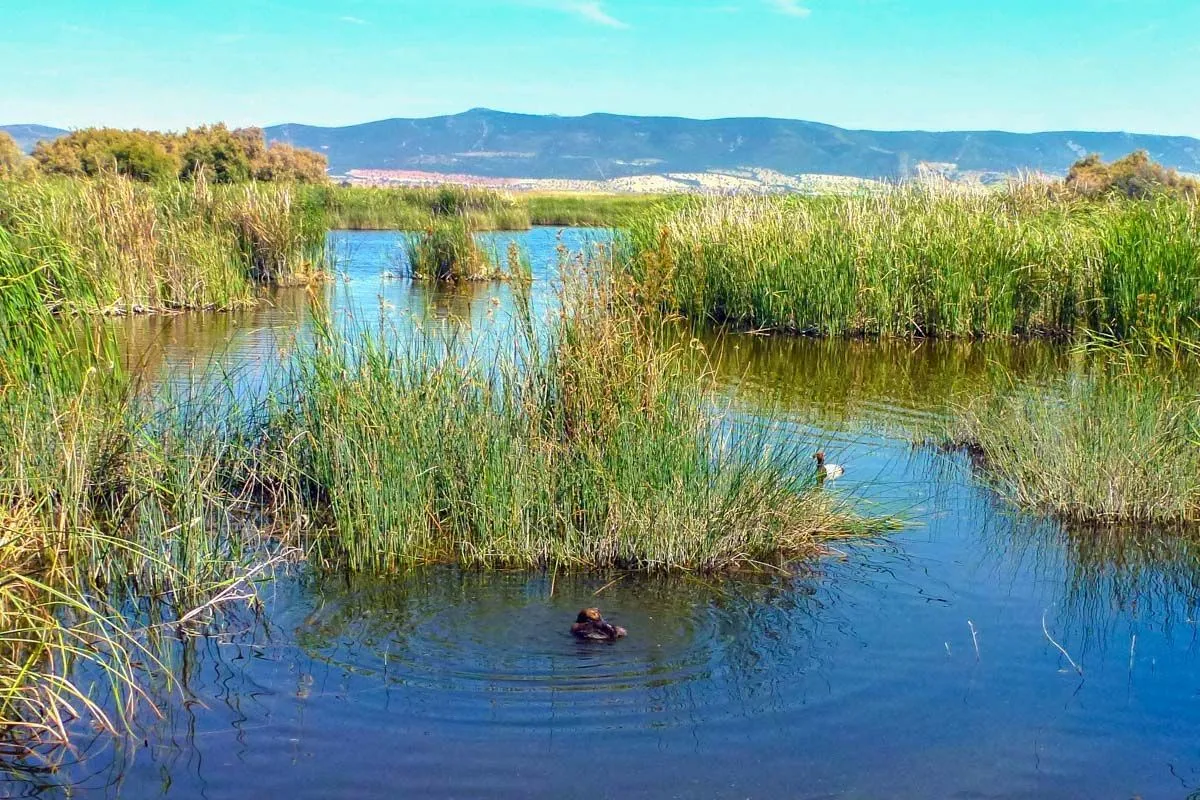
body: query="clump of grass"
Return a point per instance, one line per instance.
(1104, 450)
(921, 261)
(585, 448)
(447, 251)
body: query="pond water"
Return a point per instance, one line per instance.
(915, 667)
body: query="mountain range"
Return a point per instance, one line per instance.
(488, 143)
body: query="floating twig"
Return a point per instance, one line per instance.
(605, 586)
(1061, 649)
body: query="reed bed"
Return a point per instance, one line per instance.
(1114, 449)
(112, 245)
(586, 210)
(581, 445)
(415, 209)
(921, 261)
(584, 447)
(49, 626)
(111, 506)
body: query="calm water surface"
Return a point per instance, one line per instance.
(916, 667)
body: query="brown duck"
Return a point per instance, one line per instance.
(591, 625)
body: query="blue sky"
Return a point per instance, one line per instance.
(890, 64)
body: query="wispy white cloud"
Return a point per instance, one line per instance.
(790, 7)
(353, 20)
(592, 11)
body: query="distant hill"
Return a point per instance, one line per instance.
(29, 135)
(602, 146)
(605, 146)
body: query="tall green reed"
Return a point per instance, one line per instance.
(919, 261)
(1114, 448)
(584, 446)
(113, 245)
(414, 209)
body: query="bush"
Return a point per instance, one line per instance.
(216, 151)
(220, 154)
(282, 163)
(141, 155)
(12, 160)
(1136, 176)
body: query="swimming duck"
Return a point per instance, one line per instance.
(591, 625)
(827, 471)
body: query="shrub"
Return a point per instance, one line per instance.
(12, 160)
(1135, 176)
(283, 163)
(140, 155)
(217, 152)
(220, 154)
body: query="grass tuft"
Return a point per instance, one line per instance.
(1110, 450)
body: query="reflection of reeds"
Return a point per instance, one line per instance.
(1152, 573)
(926, 262)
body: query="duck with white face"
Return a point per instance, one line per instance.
(590, 625)
(825, 471)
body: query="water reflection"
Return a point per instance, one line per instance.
(370, 668)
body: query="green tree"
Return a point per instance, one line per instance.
(286, 164)
(217, 152)
(141, 155)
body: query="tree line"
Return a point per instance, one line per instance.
(220, 154)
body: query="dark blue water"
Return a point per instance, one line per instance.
(916, 667)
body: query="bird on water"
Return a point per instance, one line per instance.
(591, 625)
(827, 472)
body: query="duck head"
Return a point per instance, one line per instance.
(590, 624)
(589, 615)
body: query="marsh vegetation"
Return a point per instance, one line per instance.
(921, 261)
(597, 433)
(1119, 446)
